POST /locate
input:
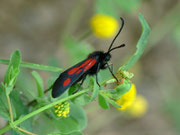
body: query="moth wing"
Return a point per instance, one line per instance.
(71, 75)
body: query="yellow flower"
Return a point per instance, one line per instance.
(104, 26)
(139, 107)
(62, 109)
(127, 99)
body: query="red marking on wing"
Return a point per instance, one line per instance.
(85, 63)
(76, 69)
(90, 64)
(72, 71)
(67, 81)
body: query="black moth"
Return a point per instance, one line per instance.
(90, 66)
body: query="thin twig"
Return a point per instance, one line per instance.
(25, 131)
(10, 108)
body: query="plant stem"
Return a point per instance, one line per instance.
(34, 66)
(6, 128)
(10, 108)
(25, 131)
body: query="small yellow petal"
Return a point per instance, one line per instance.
(59, 115)
(60, 112)
(67, 111)
(62, 109)
(56, 111)
(64, 115)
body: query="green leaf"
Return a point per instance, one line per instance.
(25, 85)
(128, 5)
(46, 123)
(111, 101)
(78, 114)
(105, 7)
(4, 105)
(27, 125)
(82, 100)
(67, 125)
(12, 72)
(95, 88)
(17, 103)
(141, 45)
(73, 88)
(110, 93)
(13, 66)
(103, 103)
(123, 88)
(77, 50)
(108, 97)
(56, 126)
(15, 132)
(15, 59)
(19, 110)
(39, 83)
(114, 94)
(34, 66)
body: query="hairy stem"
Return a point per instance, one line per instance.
(34, 66)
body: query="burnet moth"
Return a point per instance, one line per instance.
(90, 66)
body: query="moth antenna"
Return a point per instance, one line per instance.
(117, 47)
(122, 25)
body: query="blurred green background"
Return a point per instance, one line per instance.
(38, 28)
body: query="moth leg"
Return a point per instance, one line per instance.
(83, 78)
(111, 65)
(97, 75)
(111, 71)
